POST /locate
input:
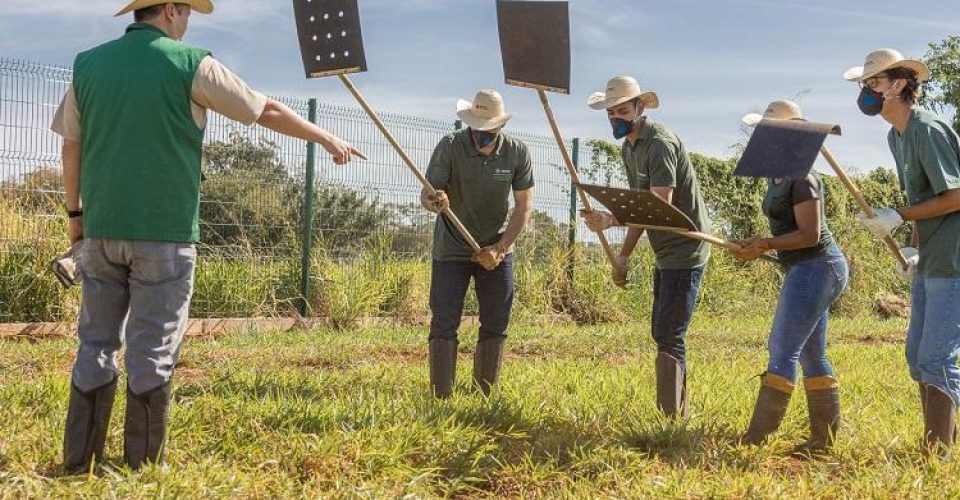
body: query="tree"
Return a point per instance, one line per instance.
(942, 91)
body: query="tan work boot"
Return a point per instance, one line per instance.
(771, 406)
(823, 409)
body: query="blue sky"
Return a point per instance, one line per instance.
(710, 62)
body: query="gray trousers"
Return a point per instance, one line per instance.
(138, 291)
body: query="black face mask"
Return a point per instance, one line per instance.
(870, 101)
(483, 138)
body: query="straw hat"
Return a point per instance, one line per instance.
(486, 112)
(200, 6)
(777, 110)
(883, 59)
(621, 89)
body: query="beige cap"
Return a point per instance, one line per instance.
(776, 110)
(486, 112)
(200, 6)
(621, 89)
(883, 59)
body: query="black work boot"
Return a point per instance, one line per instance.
(487, 360)
(145, 427)
(940, 422)
(443, 366)
(771, 406)
(88, 417)
(823, 408)
(671, 386)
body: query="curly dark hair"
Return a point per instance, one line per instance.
(911, 90)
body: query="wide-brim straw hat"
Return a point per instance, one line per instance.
(881, 60)
(776, 110)
(486, 112)
(621, 89)
(199, 6)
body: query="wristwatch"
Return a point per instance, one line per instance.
(74, 213)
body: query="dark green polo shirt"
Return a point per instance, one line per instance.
(928, 163)
(658, 159)
(479, 189)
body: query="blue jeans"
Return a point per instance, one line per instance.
(448, 287)
(800, 325)
(675, 293)
(933, 339)
(138, 291)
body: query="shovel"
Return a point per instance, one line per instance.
(331, 43)
(788, 148)
(535, 47)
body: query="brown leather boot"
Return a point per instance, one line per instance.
(823, 409)
(487, 360)
(771, 406)
(671, 386)
(940, 422)
(443, 366)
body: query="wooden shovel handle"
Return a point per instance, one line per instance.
(890, 243)
(572, 170)
(709, 238)
(406, 160)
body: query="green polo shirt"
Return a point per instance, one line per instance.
(479, 189)
(927, 154)
(778, 205)
(658, 159)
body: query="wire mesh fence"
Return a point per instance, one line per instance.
(255, 225)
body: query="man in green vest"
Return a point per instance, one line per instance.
(656, 160)
(133, 124)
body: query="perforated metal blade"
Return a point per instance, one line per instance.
(783, 148)
(330, 39)
(535, 44)
(639, 207)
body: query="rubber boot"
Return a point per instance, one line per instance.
(145, 426)
(940, 422)
(823, 408)
(671, 386)
(443, 366)
(771, 406)
(85, 434)
(487, 360)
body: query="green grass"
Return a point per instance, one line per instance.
(349, 414)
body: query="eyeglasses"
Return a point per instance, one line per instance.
(872, 82)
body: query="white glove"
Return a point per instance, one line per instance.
(913, 257)
(883, 224)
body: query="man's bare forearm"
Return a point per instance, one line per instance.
(280, 118)
(71, 156)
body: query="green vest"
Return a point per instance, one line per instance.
(140, 172)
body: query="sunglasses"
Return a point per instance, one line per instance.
(872, 82)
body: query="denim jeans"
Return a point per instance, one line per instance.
(448, 288)
(933, 338)
(138, 291)
(799, 332)
(675, 293)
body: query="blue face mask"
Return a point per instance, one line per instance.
(483, 138)
(621, 127)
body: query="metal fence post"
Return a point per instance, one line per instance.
(572, 232)
(307, 257)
